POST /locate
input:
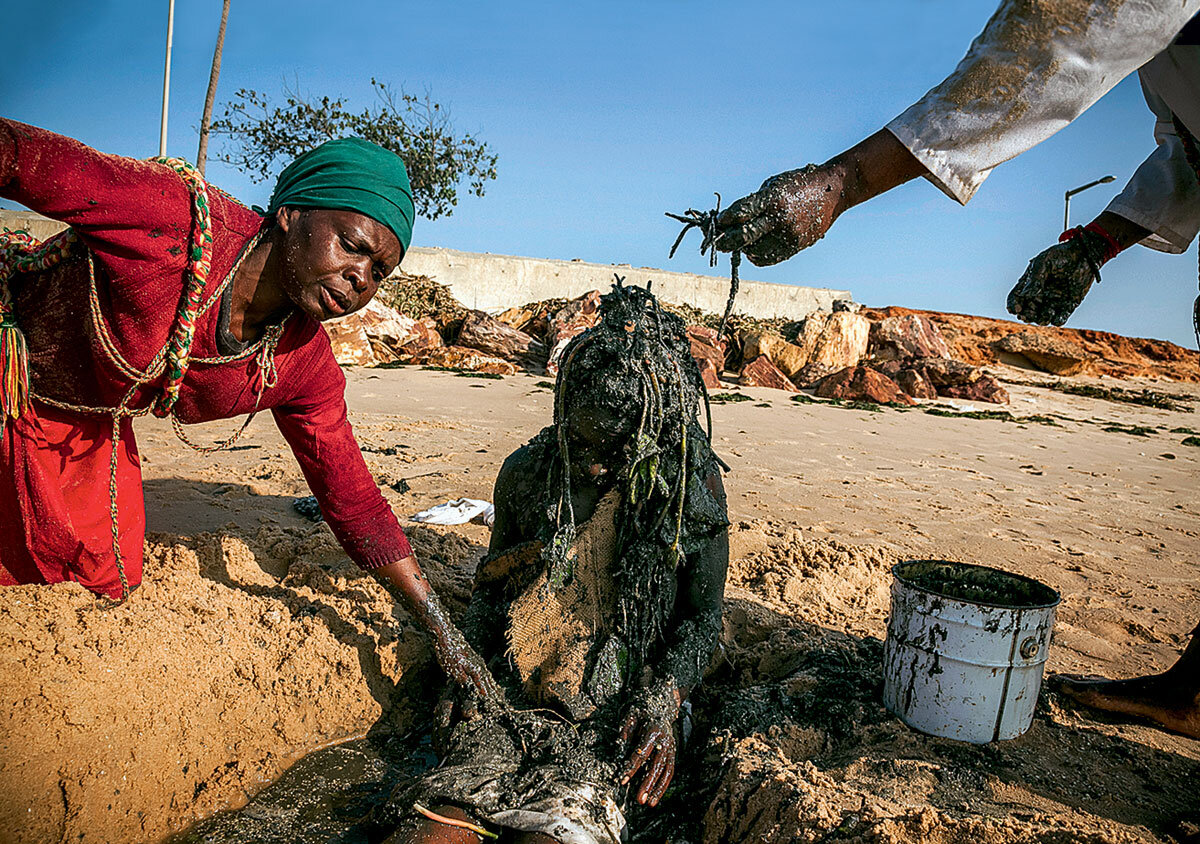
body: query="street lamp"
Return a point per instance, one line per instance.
(1067, 198)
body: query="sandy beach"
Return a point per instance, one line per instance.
(254, 640)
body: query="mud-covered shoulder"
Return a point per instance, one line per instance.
(519, 494)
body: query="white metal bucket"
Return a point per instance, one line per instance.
(962, 668)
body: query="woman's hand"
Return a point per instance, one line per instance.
(404, 581)
(790, 212)
(648, 735)
(462, 664)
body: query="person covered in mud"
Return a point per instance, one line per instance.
(166, 295)
(1035, 68)
(599, 603)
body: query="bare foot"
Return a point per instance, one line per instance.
(1161, 698)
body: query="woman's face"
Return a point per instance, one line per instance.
(597, 436)
(334, 260)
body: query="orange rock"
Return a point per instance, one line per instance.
(972, 339)
(493, 337)
(859, 383)
(460, 357)
(1048, 352)
(984, 388)
(907, 336)
(760, 372)
(707, 351)
(371, 336)
(708, 372)
(574, 318)
(914, 383)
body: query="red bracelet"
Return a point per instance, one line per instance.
(1112, 248)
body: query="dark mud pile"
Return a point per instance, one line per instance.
(976, 584)
(791, 742)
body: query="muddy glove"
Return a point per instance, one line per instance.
(790, 212)
(1056, 280)
(648, 735)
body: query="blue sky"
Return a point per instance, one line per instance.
(606, 115)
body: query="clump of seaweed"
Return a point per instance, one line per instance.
(419, 296)
(728, 398)
(1143, 397)
(1192, 441)
(1001, 415)
(1132, 430)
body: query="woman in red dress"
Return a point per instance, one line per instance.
(170, 296)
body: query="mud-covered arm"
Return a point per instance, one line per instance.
(315, 425)
(484, 620)
(693, 639)
(649, 732)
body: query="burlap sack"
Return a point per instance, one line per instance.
(552, 630)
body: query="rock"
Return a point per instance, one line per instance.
(1044, 351)
(848, 306)
(518, 318)
(707, 349)
(950, 378)
(905, 337)
(788, 357)
(985, 388)
(946, 373)
(835, 340)
(860, 383)
(425, 336)
(760, 372)
(811, 374)
(574, 318)
(973, 339)
(493, 337)
(460, 357)
(708, 373)
(915, 383)
(370, 336)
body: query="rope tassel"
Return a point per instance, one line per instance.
(14, 369)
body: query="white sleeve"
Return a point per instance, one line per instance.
(1037, 65)
(1163, 195)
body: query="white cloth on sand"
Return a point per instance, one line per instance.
(457, 512)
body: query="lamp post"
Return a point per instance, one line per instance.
(162, 128)
(1067, 197)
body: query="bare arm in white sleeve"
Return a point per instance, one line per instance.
(1037, 65)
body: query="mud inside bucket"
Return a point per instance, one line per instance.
(965, 649)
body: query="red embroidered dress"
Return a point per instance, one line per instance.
(135, 217)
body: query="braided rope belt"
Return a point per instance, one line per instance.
(22, 253)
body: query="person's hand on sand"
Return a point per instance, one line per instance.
(648, 734)
(790, 212)
(1056, 281)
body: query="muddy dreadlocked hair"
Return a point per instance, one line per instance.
(636, 363)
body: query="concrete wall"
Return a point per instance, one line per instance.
(37, 225)
(494, 282)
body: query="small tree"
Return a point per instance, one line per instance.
(264, 137)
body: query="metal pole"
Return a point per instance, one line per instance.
(162, 134)
(1103, 180)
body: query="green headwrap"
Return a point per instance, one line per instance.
(353, 175)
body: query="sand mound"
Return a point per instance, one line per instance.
(236, 655)
(807, 753)
(241, 652)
